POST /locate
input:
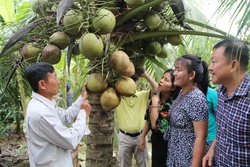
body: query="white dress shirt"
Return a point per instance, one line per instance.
(49, 139)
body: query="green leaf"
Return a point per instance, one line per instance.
(7, 10)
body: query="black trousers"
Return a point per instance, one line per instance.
(159, 149)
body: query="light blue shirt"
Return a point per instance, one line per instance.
(49, 139)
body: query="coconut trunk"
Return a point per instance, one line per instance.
(100, 140)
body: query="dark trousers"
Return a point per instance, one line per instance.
(159, 149)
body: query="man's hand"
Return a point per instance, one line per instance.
(85, 103)
(84, 89)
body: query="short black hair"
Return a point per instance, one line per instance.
(37, 72)
(235, 49)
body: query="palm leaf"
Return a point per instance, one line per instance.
(62, 8)
(20, 34)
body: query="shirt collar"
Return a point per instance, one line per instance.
(50, 103)
(242, 90)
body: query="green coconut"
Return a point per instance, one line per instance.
(39, 6)
(134, 3)
(125, 86)
(110, 99)
(60, 39)
(96, 83)
(164, 52)
(51, 54)
(174, 39)
(91, 46)
(104, 21)
(54, 8)
(163, 27)
(72, 22)
(130, 70)
(119, 61)
(152, 21)
(152, 48)
(31, 52)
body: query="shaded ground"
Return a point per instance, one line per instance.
(13, 152)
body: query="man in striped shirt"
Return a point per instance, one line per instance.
(229, 63)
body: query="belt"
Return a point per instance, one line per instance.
(131, 134)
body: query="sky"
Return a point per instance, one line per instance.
(209, 7)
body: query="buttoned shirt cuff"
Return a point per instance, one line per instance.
(82, 114)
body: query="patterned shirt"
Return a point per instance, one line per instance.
(233, 126)
(163, 118)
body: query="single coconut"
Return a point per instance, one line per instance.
(164, 52)
(54, 8)
(39, 6)
(91, 46)
(174, 39)
(163, 27)
(134, 3)
(96, 83)
(119, 61)
(104, 21)
(51, 54)
(60, 39)
(125, 86)
(130, 70)
(31, 52)
(152, 21)
(72, 22)
(152, 48)
(110, 99)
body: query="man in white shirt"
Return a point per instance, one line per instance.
(49, 139)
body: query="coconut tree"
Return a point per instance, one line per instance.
(142, 31)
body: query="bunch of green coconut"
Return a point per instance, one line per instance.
(90, 44)
(51, 53)
(154, 20)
